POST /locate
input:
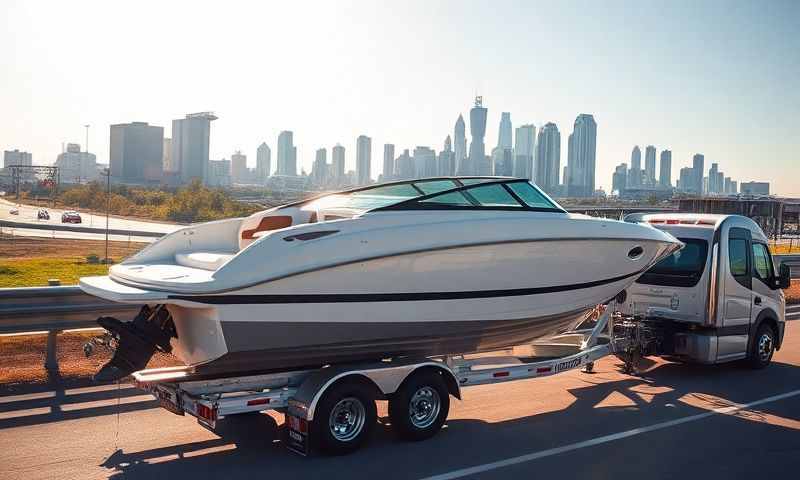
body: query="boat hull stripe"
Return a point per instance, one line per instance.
(235, 299)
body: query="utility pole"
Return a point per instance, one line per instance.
(107, 173)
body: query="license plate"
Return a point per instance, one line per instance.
(297, 441)
(168, 400)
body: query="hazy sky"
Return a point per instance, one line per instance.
(721, 78)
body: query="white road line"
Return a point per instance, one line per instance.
(604, 439)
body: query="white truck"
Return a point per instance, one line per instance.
(716, 300)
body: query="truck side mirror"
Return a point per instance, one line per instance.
(784, 279)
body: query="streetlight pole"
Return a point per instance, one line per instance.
(87, 137)
(107, 173)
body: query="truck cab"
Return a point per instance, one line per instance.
(719, 298)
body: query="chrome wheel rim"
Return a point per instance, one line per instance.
(424, 407)
(765, 347)
(347, 419)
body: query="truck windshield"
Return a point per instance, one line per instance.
(681, 269)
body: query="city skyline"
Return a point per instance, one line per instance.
(47, 104)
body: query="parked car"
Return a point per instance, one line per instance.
(43, 214)
(14, 211)
(71, 216)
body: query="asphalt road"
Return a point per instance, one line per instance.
(27, 214)
(674, 421)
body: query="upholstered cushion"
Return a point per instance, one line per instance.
(203, 260)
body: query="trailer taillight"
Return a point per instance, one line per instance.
(206, 412)
(258, 401)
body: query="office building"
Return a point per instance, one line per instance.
(524, 143)
(337, 166)
(239, 167)
(191, 138)
(424, 162)
(136, 153)
(665, 169)
(166, 159)
(319, 171)
(363, 160)
(388, 162)
(404, 166)
(478, 163)
(581, 157)
(460, 147)
(619, 180)
(447, 163)
(697, 169)
(635, 175)
(650, 165)
(548, 158)
(219, 173)
(287, 154)
(75, 166)
(754, 188)
(504, 132)
(263, 162)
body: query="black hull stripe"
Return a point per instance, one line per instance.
(389, 297)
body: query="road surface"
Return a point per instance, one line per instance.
(27, 214)
(675, 421)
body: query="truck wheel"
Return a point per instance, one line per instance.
(344, 418)
(420, 406)
(763, 347)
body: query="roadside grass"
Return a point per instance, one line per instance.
(32, 261)
(35, 272)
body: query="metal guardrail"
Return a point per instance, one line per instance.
(54, 309)
(73, 228)
(792, 260)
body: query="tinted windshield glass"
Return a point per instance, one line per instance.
(531, 196)
(493, 196)
(681, 269)
(435, 186)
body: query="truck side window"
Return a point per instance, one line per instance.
(737, 256)
(762, 264)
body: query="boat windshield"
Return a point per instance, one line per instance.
(441, 193)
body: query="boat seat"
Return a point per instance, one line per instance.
(204, 260)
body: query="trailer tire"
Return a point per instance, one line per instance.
(344, 419)
(419, 408)
(762, 348)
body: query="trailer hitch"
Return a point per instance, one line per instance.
(136, 341)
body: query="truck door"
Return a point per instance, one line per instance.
(764, 297)
(738, 296)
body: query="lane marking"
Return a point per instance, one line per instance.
(463, 472)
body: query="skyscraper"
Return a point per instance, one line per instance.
(524, 142)
(191, 137)
(619, 181)
(548, 157)
(665, 172)
(581, 157)
(287, 154)
(478, 164)
(337, 157)
(388, 162)
(713, 187)
(697, 174)
(635, 175)
(319, 171)
(503, 161)
(166, 159)
(460, 147)
(504, 132)
(75, 166)
(22, 159)
(136, 152)
(650, 165)
(238, 167)
(424, 162)
(263, 162)
(363, 160)
(405, 166)
(447, 164)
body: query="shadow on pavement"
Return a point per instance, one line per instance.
(250, 446)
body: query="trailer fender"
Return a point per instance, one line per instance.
(384, 378)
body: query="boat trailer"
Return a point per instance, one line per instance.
(332, 409)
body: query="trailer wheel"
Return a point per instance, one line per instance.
(344, 418)
(763, 347)
(420, 406)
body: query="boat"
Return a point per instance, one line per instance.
(435, 266)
